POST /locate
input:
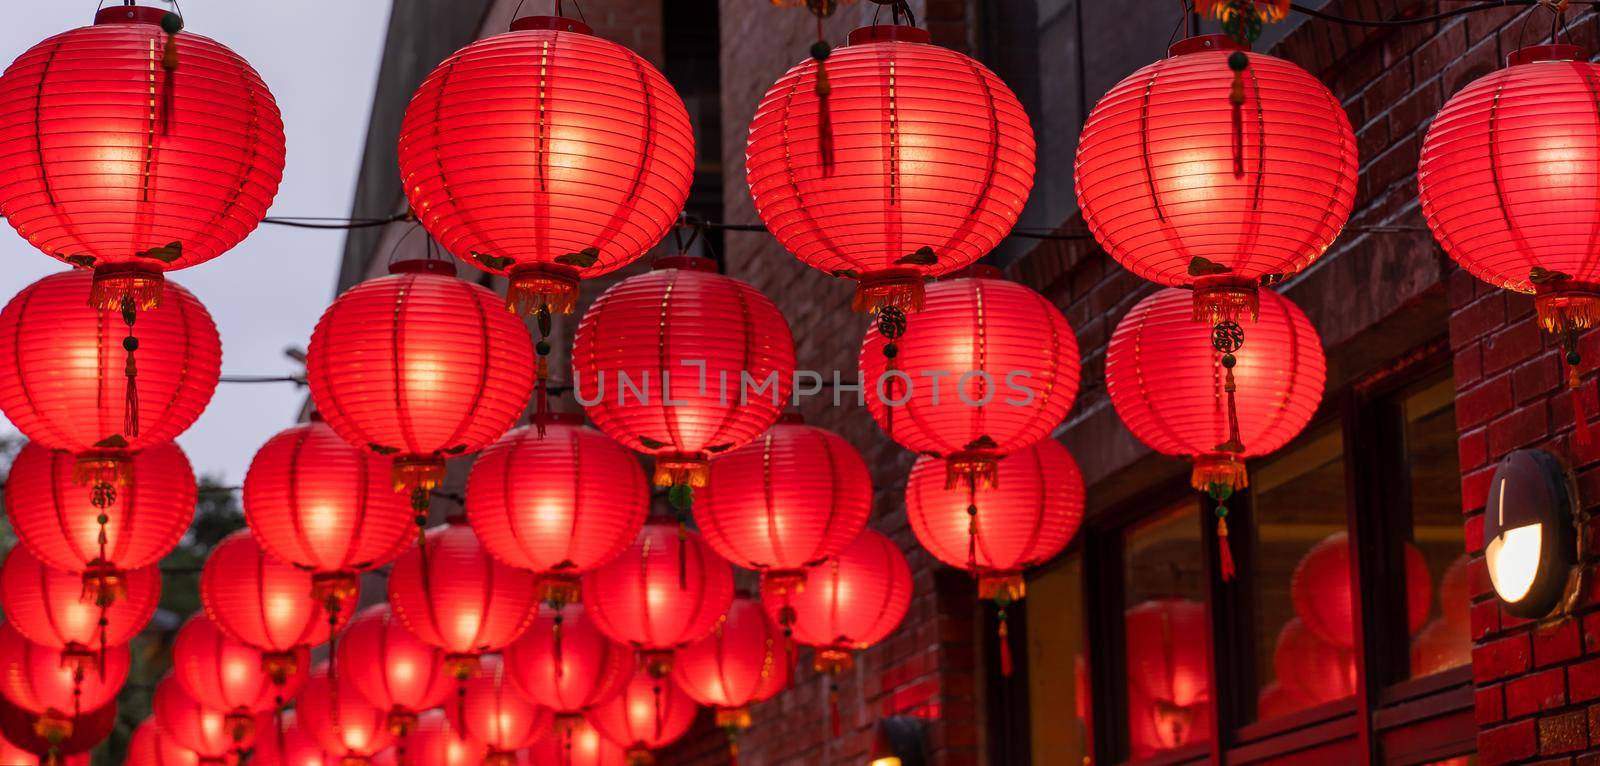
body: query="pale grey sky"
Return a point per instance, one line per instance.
(320, 59)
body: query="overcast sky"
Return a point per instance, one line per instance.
(320, 59)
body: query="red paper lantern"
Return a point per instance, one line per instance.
(435, 743)
(70, 388)
(1320, 589)
(138, 150)
(565, 663)
(494, 715)
(392, 668)
(34, 678)
(1320, 671)
(290, 745)
(1167, 383)
(850, 602)
(318, 503)
(1183, 192)
(452, 594)
(667, 590)
(16, 754)
(1507, 184)
(60, 522)
(575, 742)
(590, 170)
(1455, 592)
(37, 736)
(794, 496)
(715, 348)
(1277, 699)
(263, 602)
(560, 504)
(419, 366)
(915, 163)
(47, 607)
(340, 719)
(224, 674)
(1012, 366)
(212, 734)
(740, 664)
(649, 714)
(1440, 645)
(1169, 674)
(150, 746)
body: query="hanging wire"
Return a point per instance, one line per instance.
(308, 222)
(1440, 16)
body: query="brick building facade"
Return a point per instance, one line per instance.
(1385, 300)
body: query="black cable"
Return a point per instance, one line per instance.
(336, 223)
(1482, 6)
(262, 379)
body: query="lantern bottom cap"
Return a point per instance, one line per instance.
(1219, 470)
(560, 588)
(117, 284)
(1567, 306)
(834, 659)
(1001, 585)
(737, 718)
(1229, 300)
(657, 662)
(413, 472)
(113, 467)
(890, 288)
(677, 468)
(542, 286)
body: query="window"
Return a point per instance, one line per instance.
(1166, 631)
(1436, 568)
(1058, 678)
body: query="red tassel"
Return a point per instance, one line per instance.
(541, 394)
(1224, 552)
(823, 90)
(1005, 650)
(833, 706)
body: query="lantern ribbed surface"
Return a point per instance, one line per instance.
(741, 663)
(225, 674)
(46, 605)
(1318, 670)
(419, 364)
(319, 503)
(463, 601)
(1156, 176)
(298, 747)
(111, 155)
(392, 668)
(1506, 175)
(53, 515)
(1166, 381)
(436, 743)
(560, 504)
(209, 733)
(575, 742)
(67, 383)
(588, 668)
(262, 601)
(851, 601)
(546, 152)
(794, 496)
(655, 324)
(638, 598)
(1022, 522)
(150, 746)
(498, 717)
(929, 150)
(35, 678)
(1320, 590)
(1011, 362)
(341, 720)
(650, 713)
(1169, 674)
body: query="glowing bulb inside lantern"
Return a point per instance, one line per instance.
(1513, 560)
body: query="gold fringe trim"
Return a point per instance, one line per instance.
(1226, 302)
(462, 666)
(401, 722)
(335, 586)
(975, 469)
(995, 585)
(103, 584)
(657, 662)
(499, 759)
(640, 756)
(786, 581)
(1567, 310)
(1218, 469)
(538, 285)
(279, 666)
(241, 724)
(673, 469)
(102, 467)
(875, 294)
(733, 718)
(412, 473)
(112, 283)
(559, 588)
(79, 658)
(53, 726)
(834, 659)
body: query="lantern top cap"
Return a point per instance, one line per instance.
(130, 14)
(552, 23)
(423, 266)
(685, 262)
(1537, 53)
(889, 33)
(1203, 44)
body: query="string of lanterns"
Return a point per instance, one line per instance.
(561, 619)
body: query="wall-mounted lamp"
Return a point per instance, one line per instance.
(1528, 525)
(899, 743)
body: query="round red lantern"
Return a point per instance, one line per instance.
(261, 601)
(392, 668)
(1440, 645)
(987, 368)
(47, 607)
(559, 504)
(850, 602)
(716, 348)
(452, 594)
(141, 149)
(290, 745)
(340, 719)
(36, 736)
(1322, 598)
(34, 678)
(894, 161)
(590, 171)
(74, 385)
(212, 734)
(649, 714)
(491, 713)
(575, 742)
(1455, 592)
(794, 496)
(1186, 190)
(150, 746)
(1169, 675)
(1318, 670)
(318, 503)
(565, 663)
(224, 674)
(667, 590)
(740, 664)
(419, 366)
(62, 525)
